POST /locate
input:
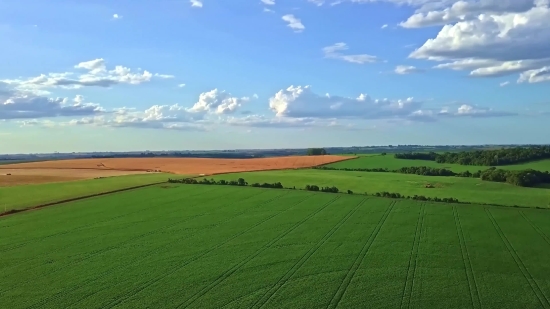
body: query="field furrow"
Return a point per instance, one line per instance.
(411, 268)
(472, 285)
(337, 297)
(528, 276)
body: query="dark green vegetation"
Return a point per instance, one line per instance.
(522, 178)
(241, 182)
(391, 163)
(464, 189)
(507, 156)
(20, 197)
(316, 152)
(196, 246)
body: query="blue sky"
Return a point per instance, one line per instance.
(169, 74)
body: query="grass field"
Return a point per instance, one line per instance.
(390, 162)
(24, 196)
(464, 189)
(228, 247)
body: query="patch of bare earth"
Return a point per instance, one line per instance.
(21, 176)
(187, 166)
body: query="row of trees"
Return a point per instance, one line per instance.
(314, 188)
(316, 152)
(506, 156)
(522, 178)
(322, 189)
(417, 197)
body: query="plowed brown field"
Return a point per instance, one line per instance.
(82, 168)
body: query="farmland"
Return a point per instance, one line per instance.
(464, 189)
(192, 246)
(22, 196)
(389, 162)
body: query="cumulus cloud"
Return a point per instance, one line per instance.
(384, 26)
(196, 3)
(218, 102)
(302, 103)
(501, 38)
(293, 23)
(335, 52)
(116, 16)
(97, 75)
(407, 69)
(535, 76)
(317, 2)
(268, 2)
(19, 105)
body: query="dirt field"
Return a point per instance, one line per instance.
(22, 176)
(63, 170)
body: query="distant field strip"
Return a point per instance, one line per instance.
(197, 246)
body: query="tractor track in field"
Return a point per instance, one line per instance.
(16, 211)
(112, 247)
(339, 294)
(467, 261)
(88, 225)
(166, 245)
(284, 279)
(413, 259)
(535, 227)
(530, 280)
(133, 292)
(232, 270)
(108, 271)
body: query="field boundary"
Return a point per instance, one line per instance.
(15, 211)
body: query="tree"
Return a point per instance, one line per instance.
(316, 152)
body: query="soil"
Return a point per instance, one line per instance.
(64, 170)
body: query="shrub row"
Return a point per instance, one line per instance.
(506, 156)
(522, 178)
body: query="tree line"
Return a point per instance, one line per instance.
(495, 157)
(316, 152)
(522, 178)
(315, 188)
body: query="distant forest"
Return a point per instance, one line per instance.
(496, 157)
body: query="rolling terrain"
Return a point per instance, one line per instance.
(464, 189)
(197, 246)
(390, 162)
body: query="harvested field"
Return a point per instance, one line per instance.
(24, 176)
(188, 166)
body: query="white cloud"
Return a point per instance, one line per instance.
(164, 76)
(535, 76)
(293, 23)
(317, 2)
(196, 3)
(181, 85)
(384, 26)
(268, 2)
(97, 75)
(508, 37)
(503, 84)
(300, 102)
(335, 52)
(268, 10)
(218, 102)
(20, 105)
(116, 16)
(407, 69)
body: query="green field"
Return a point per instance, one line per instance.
(193, 246)
(390, 162)
(18, 197)
(464, 189)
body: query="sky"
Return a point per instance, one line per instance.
(91, 75)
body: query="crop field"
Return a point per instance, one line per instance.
(390, 162)
(193, 246)
(187, 166)
(464, 189)
(23, 196)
